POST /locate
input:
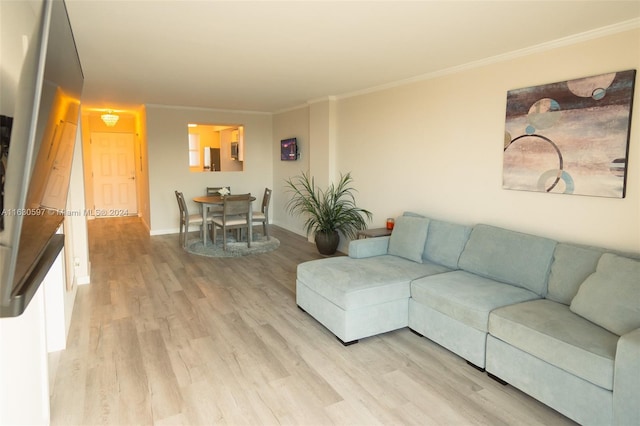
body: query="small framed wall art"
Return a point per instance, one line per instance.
(570, 137)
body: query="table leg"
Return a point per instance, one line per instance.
(204, 224)
(250, 230)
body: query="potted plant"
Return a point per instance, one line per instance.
(327, 212)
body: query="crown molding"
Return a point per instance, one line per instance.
(322, 99)
(293, 108)
(196, 108)
(629, 25)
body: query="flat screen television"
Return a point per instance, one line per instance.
(37, 167)
(289, 149)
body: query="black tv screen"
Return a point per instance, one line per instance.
(289, 149)
(40, 147)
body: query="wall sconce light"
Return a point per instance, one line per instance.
(110, 119)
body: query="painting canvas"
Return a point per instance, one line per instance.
(570, 137)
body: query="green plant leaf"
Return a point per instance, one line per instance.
(325, 211)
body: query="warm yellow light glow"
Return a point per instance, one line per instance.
(110, 119)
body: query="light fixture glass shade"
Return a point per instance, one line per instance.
(110, 119)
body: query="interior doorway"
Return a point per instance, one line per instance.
(114, 174)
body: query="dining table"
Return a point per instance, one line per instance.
(208, 201)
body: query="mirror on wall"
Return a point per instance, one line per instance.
(216, 147)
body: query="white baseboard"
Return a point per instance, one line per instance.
(83, 280)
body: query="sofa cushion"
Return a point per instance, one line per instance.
(610, 297)
(512, 257)
(445, 242)
(352, 283)
(408, 237)
(571, 265)
(466, 297)
(551, 332)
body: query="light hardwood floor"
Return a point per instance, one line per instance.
(164, 337)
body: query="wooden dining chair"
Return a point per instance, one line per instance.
(187, 219)
(263, 215)
(213, 190)
(236, 212)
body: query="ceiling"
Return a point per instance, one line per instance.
(270, 56)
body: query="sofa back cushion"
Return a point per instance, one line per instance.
(445, 242)
(408, 237)
(511, 257)
(572, 264)
(610, 297)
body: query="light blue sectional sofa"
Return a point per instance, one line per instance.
(559, 321)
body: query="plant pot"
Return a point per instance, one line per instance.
(327, 242)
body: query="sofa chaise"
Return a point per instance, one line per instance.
(559, 321)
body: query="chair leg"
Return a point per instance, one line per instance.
(224, 238)
(185, 236)
(265, 229)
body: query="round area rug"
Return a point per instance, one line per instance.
(259, 245)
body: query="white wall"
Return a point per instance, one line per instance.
(25, 341)
(167, 141)
(75, 224)
(290, 124)
(24, 389)
(43, 327)
(17, 20)
(435, 147)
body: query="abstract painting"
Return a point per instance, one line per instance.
(570, 137)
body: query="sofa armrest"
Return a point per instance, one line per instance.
(368, 247)
(626, 380)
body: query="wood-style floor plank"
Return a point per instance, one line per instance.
(164, 337)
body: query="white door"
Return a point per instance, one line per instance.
(114, 174)
(57, 185)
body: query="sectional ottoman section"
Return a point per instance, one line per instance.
(559, 321)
